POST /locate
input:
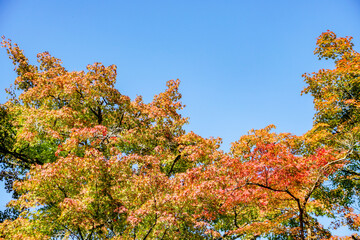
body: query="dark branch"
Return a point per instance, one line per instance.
(173, 164)
(98, 114)
(25, 159)
(79, 231)
(273, 189)
(235, 217)
(152, 227)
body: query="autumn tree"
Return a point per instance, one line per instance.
(336, 94)
(97, 164)
(265, 187)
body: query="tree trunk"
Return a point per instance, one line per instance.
(301, 219)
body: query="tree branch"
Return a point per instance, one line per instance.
(273, 189)
(173, 164)
(148, 233)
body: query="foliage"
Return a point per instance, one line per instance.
(336, 95)
(86, 162)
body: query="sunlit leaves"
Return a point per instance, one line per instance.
(90, 163)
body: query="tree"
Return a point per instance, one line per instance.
(336, 95)
(84, 146)
(266, 186)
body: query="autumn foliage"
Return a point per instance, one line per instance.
(84, 161)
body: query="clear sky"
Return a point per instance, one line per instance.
(240, 62)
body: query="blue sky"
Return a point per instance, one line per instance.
(239, 62)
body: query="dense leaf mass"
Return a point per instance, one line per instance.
(84, 161)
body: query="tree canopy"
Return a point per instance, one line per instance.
(84, 161)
